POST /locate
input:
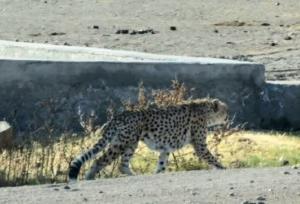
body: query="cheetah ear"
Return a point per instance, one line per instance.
(215, 105)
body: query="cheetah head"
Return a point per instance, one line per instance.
(217, 113)
(212, 111)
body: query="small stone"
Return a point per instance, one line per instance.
(216, 31)
(294, 167)
(285, 162)
(45, 2)
(231, 188)
(122, 31)
(67, 44)
(231, 194)
(277, 4)
(261, 198)
(57, 33)
(173, 28)
(101, 192)
(270, 189)
(129, 195)
(274, 44)
(251, 181)
(85, 199)
(265, 24)
(56, 189)
(194, 193)
(288, 38)
(260, 202)
(95, 26)
(286, 172)
(248, 202)
(67, 187)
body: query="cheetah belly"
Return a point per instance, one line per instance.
(155, 142)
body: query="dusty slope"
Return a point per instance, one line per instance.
(266, 31)
(272, 185)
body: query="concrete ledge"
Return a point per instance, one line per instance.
(43, 85)
(280, 107)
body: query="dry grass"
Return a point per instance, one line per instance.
(37, 164)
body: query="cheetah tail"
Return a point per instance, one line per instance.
(84, 157)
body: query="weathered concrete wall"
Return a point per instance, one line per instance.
(42, 95)
(280, 105)
(38, 95)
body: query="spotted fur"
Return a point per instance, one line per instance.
(164, 129)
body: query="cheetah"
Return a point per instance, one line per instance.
(164, 129)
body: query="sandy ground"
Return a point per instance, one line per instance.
(271, 185)
(262, 31)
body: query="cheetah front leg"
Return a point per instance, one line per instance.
(198, 135)
(125, 160)
(162, 162)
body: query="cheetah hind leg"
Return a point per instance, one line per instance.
(112, 153)
(125, 160)
(162, 162)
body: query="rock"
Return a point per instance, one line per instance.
(95, 26)
(265, 24)
(122, 31)
(67, 187)
(35, 34)
(251, 181)
(285, 162)
(295, 167)
(231, 194)
(260, 198)
(173, 28)
(6, 135)
(67, 44)
(57, 33)
(216, 30)
(248, 202)
(286, 172)
(101, 192)
(274, 44)
(277, 4)
(288, 38)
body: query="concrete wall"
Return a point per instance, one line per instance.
(44, 95)
(35, 94)
(280, 105)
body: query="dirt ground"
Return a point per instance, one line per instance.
(268, 185)
(261, 31)
(266, 31)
